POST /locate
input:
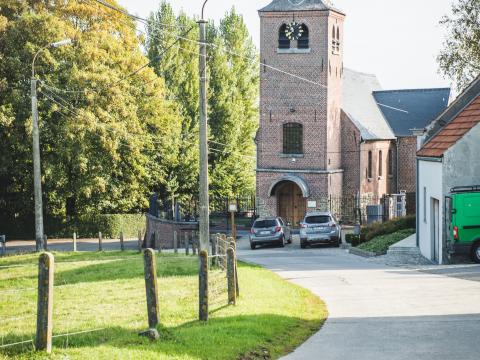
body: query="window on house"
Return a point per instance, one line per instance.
(390, 162)
(338, 38)
(380, 163)
(283, 40)
(370, 165)
(303, 41)
(292, 138)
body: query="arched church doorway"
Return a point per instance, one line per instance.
(291, 203)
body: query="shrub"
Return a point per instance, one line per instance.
(389, 227)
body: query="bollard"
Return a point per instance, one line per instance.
(187, 244)
(156, 243)
(203, 286)
(175, 242)
(3, 245)
(100, 242)
(232, 297)
(74, 242)
(194, 243)
(46, 264)
(122, 244)
(139, 241)
(151, 287)
(45, 242)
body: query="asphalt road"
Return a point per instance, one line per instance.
(378, 312)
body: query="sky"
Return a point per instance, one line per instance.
(396, 40)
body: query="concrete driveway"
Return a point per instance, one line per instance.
(379, 312)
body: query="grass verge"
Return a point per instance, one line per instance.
(380, 244)
(105, 291)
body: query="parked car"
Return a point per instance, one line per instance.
(270, 231)
(320, 228)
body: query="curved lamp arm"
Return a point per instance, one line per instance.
(203, 8)
(55, 45)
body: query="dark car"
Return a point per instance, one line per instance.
(269, 231)
(320, 228)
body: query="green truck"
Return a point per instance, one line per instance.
(464, 220)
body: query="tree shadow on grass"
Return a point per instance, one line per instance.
(236, 337)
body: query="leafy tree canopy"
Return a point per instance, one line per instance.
(460, 58)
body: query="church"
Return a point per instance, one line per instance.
(328, 132)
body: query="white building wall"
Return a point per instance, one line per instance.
(430, 186)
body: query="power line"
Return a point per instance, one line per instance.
(143, 20)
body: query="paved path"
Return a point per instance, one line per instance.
(379, 312)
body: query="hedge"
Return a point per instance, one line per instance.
(85, 226)
(374, 230)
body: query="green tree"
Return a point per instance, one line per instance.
(460, 58)
(175, 60)
(233, 92)
(109, 139)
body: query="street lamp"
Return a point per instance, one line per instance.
(37, 183)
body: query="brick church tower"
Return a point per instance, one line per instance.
(298, 142)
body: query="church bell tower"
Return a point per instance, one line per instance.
(298, 142)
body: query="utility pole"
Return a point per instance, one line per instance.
(37, 181)
(37, 173)
(203, 194)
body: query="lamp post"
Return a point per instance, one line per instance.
(37, 175)
(203, 193)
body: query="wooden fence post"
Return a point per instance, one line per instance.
(237, 288)
(175, 242)
(187, 245)
(152, 240)
(122, 244)
(194, 243)
(214, 250)
(3, 245)
(203, 286)
(151, 287)
(45, 242)
(232, 297)
(139, 243)
(46, 264)
(100, 242)
(74, 242)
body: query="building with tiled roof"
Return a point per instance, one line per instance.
(448, 158)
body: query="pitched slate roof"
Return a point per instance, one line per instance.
(453, 132)
(405, 110)
(298, 5)
(360, 105)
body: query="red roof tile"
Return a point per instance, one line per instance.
(454, 131)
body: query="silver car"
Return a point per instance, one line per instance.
(270, 231)
(320, 228)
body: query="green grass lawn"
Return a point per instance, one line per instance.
(380, 244)
(106, 291)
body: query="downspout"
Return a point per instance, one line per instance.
(397, 167)
(417, 205)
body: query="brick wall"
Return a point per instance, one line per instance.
(377, 185)
(350, 156)
(407, 164)
(165, 230)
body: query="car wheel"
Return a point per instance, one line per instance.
(476, 252)
(282, 242)
(253, 246)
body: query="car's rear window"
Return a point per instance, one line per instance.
(322, 219)
(265, 224)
